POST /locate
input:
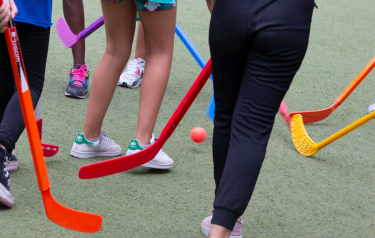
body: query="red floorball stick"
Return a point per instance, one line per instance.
(59, 214)
(48, 150)
(121, 164)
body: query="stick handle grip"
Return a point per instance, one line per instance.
(91, 28)
(346, 130)
(356, 81)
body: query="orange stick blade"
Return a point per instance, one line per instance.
(69, 218)
(315, 116)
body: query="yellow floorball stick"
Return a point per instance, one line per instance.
(308, 147)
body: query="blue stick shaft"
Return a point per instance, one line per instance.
(200, 60)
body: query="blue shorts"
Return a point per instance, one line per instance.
(148, 6)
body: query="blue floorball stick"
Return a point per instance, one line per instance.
(210, 112)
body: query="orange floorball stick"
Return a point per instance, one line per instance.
(314, 116)
(59, 214)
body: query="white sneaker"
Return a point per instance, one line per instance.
(161, 160)
(132, 76)
(103, 146)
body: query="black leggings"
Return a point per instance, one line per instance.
(34, 42)
(256, 46)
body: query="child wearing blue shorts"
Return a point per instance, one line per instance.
(119, 21)
(149, 5)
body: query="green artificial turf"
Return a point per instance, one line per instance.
(328, 195)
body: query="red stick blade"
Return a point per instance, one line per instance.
(49, 150)
(69, 218)
(121, 164)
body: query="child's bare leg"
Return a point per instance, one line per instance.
(210, 4)
(159, 28)
(120, 26)
(74, 16)
(140, 50)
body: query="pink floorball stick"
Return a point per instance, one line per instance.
(284, 111)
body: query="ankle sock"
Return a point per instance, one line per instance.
(93, 140)
(145, 146)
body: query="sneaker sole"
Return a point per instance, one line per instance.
(74, 96)
(157, 166)
(6, 198)
(12, 166)
(205, 232)
(125, 85)
(88, 155)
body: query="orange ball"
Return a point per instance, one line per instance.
(198, 134)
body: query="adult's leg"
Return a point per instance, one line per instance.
(140, 50)
(277, 44)
(34, 41)
(119, 21)
(75, 17)
(159, 27)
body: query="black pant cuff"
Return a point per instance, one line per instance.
(7, 146)
(224, 217)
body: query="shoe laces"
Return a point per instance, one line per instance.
(6, 173)
(79, 75)
(161, 152)
(11, 156)
(106, 139)
(132, 68)
(103, 137)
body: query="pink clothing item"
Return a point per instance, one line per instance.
(236, 233)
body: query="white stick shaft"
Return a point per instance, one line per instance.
(38, 109)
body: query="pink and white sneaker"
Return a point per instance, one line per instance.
(236, 233)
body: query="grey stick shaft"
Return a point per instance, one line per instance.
(38, 109)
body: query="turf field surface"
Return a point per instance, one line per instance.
(328, 195)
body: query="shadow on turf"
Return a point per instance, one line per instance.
(147, 171)
(2, 208)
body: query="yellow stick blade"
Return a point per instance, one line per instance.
(301, 140)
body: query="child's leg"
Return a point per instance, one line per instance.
(119, 21)
(210, 4)
(159, 28)
(74, 16)
(140, 50)
(34, 41)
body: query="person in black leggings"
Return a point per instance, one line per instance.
(257, 46)
(34, 41)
